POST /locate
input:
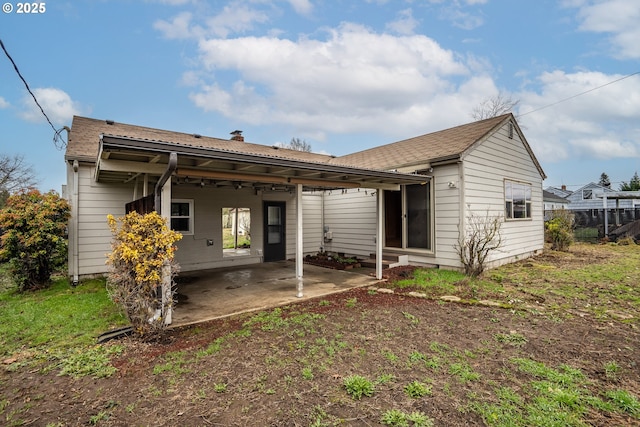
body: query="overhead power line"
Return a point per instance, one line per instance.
(56, 132)
(579, 94)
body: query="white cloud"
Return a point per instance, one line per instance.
(404, 24)
(235, 18)
(56, 103)
(4, 103)
(180, 27)
(619, 18)
(601, 123)
(303, 7)
(335, 85)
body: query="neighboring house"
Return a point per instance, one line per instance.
(588, 204)
(412, 197)
(553, 202)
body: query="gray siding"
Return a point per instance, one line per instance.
(351, 217)
(486, 167)
(312, 221)
(95, 202)
(447, 215)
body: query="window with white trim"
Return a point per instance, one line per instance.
(517, 198)
(182, 215)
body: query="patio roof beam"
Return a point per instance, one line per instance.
(197, 173)
(120, 142)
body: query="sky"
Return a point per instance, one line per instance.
(341, 75)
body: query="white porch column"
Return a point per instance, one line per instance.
(299, 239)
(606, 214)
(380, 212)
(165, 212)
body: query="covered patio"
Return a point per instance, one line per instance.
(208, 173)
(211, 294)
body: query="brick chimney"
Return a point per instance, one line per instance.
(236, 135)
(564, 187)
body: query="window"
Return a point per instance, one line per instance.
(182, 216)
(587, 194)
(517, 198)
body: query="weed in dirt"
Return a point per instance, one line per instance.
(351, 302)
(175, 364)
(100, 416)
(413, 319)
(463, 372)
(416, 356)
(624, 401)
(417, 389)
(307, 373)
(93, 361)
(390, 356)
(512, 338)
(397, 418)
(385, 378)
(611, 370)
(358, 386)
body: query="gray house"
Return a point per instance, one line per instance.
(411, 198)
(590, 202)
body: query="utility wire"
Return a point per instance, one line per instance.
(56, 136)
(580, 94)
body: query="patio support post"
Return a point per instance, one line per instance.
(165, 212)
(380, 212)
(299, 239)
(162, 204)
(606, 214)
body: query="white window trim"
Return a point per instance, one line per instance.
(191, 214)
(527, 202)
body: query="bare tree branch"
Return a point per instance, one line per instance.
(495, 106)
(15, 174)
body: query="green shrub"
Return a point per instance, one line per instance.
(34, 239)
(559, 229)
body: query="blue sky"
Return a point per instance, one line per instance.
(341, 75)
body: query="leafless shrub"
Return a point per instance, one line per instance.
(481, 236)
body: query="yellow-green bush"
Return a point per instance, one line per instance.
(143, 249)
(559, 229)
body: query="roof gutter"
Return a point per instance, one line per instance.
(171, 167)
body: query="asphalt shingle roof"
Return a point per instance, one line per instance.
(425, 148)
(84, 140)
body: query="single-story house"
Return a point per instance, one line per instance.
(413, 197)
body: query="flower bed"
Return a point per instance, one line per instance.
(335, 261)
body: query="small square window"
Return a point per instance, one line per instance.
(182, 216)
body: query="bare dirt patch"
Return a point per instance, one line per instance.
(259, 379)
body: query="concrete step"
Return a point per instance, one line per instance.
(388, 261)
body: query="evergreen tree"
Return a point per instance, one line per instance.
(633, 185)
(604, 180)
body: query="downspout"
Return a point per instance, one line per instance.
(171, 167)
(74, 216)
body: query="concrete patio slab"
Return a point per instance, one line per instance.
(210, 294)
